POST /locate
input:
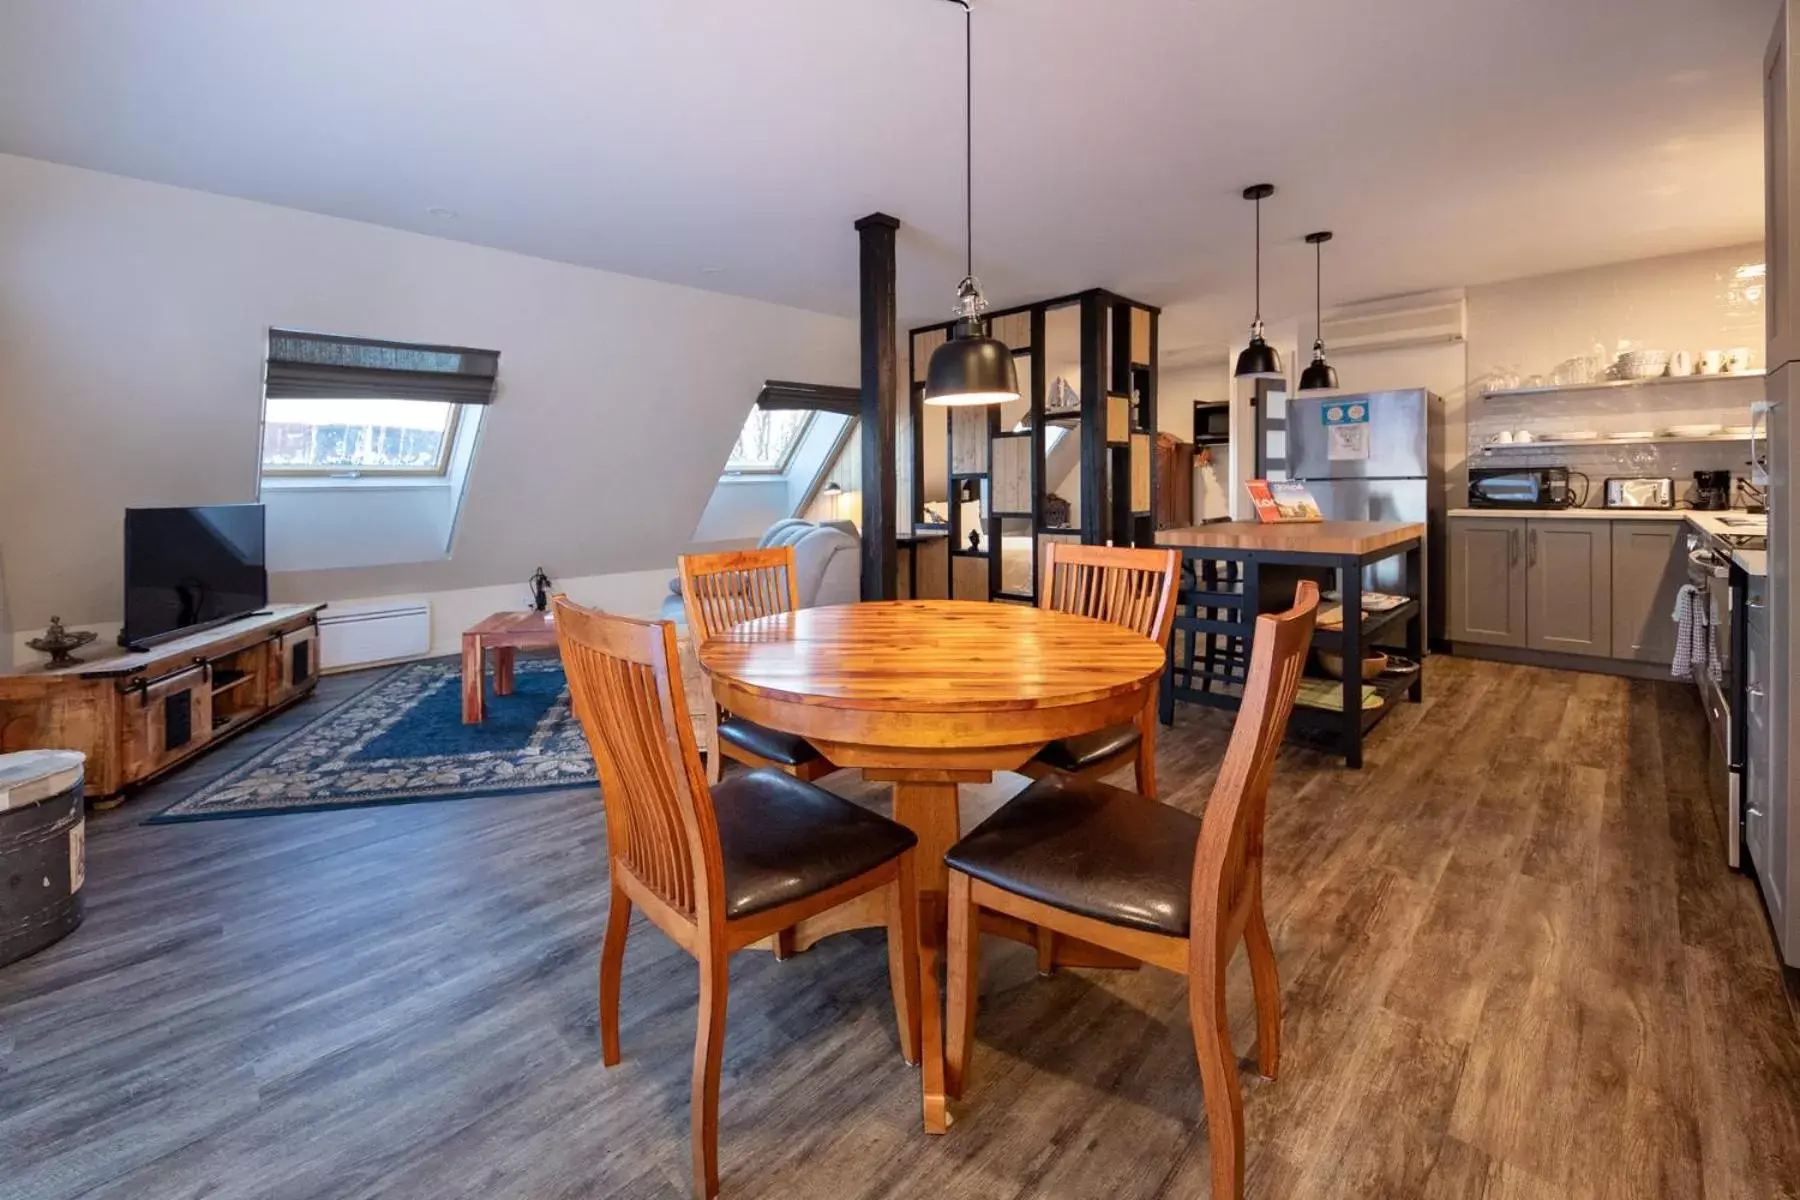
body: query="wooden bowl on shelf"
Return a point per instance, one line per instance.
(1372, 666)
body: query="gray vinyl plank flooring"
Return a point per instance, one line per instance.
(1513, 964)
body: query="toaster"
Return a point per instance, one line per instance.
(1640, 493)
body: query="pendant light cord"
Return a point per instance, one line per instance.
(1319, 292)
(1259, 260)
(969, 136)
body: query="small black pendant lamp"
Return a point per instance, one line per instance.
(1319, 375)
(970, 368)
(1259, 359)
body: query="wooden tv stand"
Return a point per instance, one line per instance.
(137, 714)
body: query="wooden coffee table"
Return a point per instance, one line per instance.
(504, 633)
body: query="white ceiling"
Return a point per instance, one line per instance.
(730, 144)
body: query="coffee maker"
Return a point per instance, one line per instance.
(1712, 490)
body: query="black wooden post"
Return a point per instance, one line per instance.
(875, 233)
(1094, 511)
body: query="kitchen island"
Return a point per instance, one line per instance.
(1235, 570)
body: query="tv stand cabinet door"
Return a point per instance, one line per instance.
(296, 665)
(166, 720)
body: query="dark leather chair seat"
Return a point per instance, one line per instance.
(772, 744)
(783, 839)
(1088, 848)
(1080, 753)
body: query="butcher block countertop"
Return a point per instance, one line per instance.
(1316, 537)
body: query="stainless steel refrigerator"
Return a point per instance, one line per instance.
(1390, 470)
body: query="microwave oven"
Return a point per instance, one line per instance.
(1520, 487)
(1212, 424)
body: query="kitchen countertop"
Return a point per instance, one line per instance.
(1582, 514)
(1301, 537)
(1753, 562)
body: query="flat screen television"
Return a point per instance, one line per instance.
(190, 568)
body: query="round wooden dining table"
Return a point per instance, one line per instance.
(927, 695)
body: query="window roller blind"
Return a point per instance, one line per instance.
(778, 396)
(325, 366)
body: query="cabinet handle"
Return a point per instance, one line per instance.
(1532, 537)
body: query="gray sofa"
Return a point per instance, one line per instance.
(827, 564)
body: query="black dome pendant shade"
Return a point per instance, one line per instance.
(1319, 375)
(970, 368)
(1259, 359)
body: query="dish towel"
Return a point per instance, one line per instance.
(1694, 619)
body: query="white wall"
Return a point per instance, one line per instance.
(740, 510)
(132, 325)
(1691, 301)
(1177, 391)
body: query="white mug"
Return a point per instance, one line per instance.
(1711, 361)
(1523, 437)
(1503, 438)
(1681, 362)
(1737, 359)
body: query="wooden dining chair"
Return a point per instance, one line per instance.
(722, 590)
(1152, 882)
(1133, 588)
(715, 869)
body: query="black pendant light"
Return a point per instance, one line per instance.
(1319, 375)
(1259, 360)
(970, 368)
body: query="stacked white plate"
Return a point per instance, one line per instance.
(1742, 431)
(1579, 435)
(1632, 435)
(1693, 431)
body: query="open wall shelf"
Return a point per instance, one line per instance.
(1608, 385)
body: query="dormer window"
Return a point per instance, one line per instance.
(767, 443)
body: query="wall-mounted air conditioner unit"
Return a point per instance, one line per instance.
(1396, 324)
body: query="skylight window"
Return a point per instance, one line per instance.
(306, 436)
(768, 441)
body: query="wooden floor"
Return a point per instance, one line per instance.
(1513, 964)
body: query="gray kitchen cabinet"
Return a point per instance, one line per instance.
(1649, 565)
(1569, 586)
(1487, 581)
(1781, 181)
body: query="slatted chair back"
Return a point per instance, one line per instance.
(1228, 863)
(1125, 586)
(625, 687)
(722, 590)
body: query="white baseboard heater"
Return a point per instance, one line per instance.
(361, 635)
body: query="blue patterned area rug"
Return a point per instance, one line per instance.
(402, 739)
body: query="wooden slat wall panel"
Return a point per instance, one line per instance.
(846, 472)
(969, 440)
(1140, 472)
(970, 577)
(1140, 336)
(906, 496)
(923, 344)
(1118, 419)
(1011, 479)
(1014, 330)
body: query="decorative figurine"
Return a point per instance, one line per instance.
(974, 539)
(57, 642)
(540, 590)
